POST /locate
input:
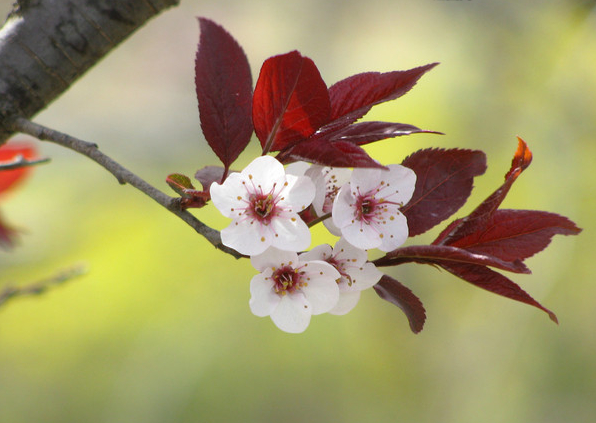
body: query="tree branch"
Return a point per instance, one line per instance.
(45, 45)
(40, 287)
(123, 175)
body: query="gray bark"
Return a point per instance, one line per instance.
(45, 45)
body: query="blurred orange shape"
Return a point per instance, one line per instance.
(8, 153)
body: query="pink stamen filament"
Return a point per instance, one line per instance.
(369, 209)
(260, 206)
(287, 279)
(341, 266)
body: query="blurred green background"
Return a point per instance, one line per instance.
(159, 329)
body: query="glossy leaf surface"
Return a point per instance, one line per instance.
(366, 132)
(290, 101)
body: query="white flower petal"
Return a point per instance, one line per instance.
(399, 184)
(299, 193)
(364, 180)
(321, 290)
(320, 252)
(347, 301)
(331, 227)
(362, 278)
(290, 234)
(395, 232)
(297, 168)
(292, 314)
(263, 298)
(361, 235)
(225, 196)
(343, 208)
(273, 258)
(265, 171)
(248, 238)
(343, 250)
(328, 181)
(316, 174)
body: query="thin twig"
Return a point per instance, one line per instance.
(20, 161)
(123, 175)
(41, 286)
(319, 219)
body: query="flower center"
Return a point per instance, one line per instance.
(287, 279)
(367, 208)
(262, 205)
(340, 266)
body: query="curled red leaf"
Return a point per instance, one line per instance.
(391, 290)
(521, 159)
(433, 254)
(335, 154)
(366, 132)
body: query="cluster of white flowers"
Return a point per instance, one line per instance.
(363, 208)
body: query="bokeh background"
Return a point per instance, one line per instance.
(159, 329)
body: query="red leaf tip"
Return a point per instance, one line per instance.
(521, 159)
(553, 317)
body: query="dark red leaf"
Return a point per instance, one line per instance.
(485, 278)
(290, 103)
(336, 154)
(308, 215)
(391, 290)
(8, 152)
(353, 97)
(366, 132)
(432, 254)
(224, 91)
(517, 234)
(444, 181)
(477, 221)
(209, 174)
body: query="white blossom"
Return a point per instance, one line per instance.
(357, 274)
(328, 181)
(264, 203)
(290, 289)
(367, 208)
